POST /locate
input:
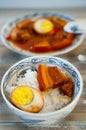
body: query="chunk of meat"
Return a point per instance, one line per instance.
(44, 79)
(23, 24)
(14, 34)
(57, 45)
(51, 77)
(24, 35)
(70, 36)
(58, 21)
(42, 46)
(58, 35)
(19, 35)
(57, 76)
(68, 88)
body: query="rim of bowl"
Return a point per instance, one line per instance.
(49, 113)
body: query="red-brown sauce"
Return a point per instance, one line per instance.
(26, 38)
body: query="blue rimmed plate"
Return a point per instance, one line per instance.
(8, 26)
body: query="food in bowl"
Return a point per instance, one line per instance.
(54, 87)
(42, 35)
(57, 101)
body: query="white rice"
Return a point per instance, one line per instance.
(53, 99)
(29, 79)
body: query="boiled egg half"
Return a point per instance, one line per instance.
(27, 98)
(43, 25)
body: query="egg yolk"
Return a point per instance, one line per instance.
(22, 95)
(46, 26)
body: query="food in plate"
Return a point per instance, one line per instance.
(45, 34)
(46, 89)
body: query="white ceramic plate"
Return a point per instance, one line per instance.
(8, 26)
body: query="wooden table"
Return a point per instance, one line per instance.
(77, 119)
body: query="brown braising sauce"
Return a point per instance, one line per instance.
(26, 37)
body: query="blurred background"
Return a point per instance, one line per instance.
(42, 3)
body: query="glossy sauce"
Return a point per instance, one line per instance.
(55, 40)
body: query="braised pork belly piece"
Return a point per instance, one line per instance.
(53, 77)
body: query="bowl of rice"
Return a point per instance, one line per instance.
(42, 90)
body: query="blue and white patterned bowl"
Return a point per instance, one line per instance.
(8, 26)
(43, 119)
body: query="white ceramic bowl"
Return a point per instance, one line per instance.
(10, 24)
(43, 119)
